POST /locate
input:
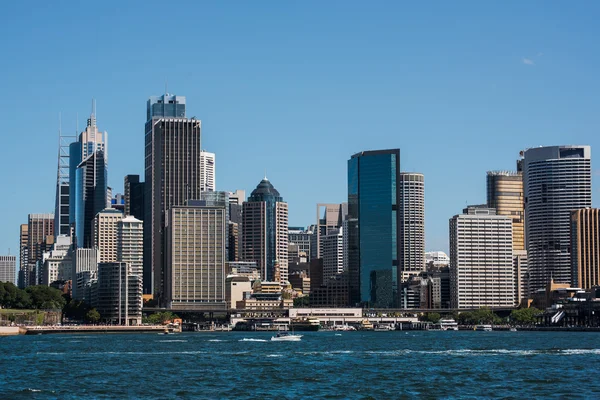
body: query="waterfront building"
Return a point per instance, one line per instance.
(265, 231)
(585, 247)
(300, 282)
(373, 227)
(172, 177)
(8, 269)
(521, 275)
(332, 292)
(57, 264)
(329, 217)
(505, 194)
(235, 287)
(440, 277)
(40, 238)
(437, 259)
(236, 201)
(118, 294)
(130, 244)
(233, 236)
(104, 234)
(134, 196)
(207, 168)
(332, 252)
(84, 269)
(411, 212)
(23, 254)
(557, 180)
(196, 255)
(481, 261)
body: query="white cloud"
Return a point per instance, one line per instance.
(528, 61)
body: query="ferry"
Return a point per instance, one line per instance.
(384, 328)
(305, 324)
(365, 325)
(343, 328)
(483, 328)
(448, 325)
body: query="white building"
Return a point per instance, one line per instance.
(411, 214)
(57, 264)
(332, 248)
(84, 267)
(438, 258)
(8, 269)
(207, 171)
(104, 234)
(481, 259)
(130, 244)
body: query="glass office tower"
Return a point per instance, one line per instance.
(373, 225)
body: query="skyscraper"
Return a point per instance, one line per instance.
(265, 231)
(329, 217)
(134, 196)
(88, 162)
(8, 269)
(412, 224)
(172, 176)
(585, 246)
(130, 244)
(505, 194)
(196, 255)
(24, 254)
(40, 230)
(481, 259)
(104, 234)
(557, 180)
(62, 201)
(374, 227)
(207, 165)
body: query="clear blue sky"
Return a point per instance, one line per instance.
(297, 87)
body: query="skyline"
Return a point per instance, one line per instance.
(533, 86)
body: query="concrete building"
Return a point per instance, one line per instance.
(411, 212)
(104, 234)
(300, 282)
(235, 287)
(437, 259)
(585, 248)
(173, 175)
(130, 244)
(8, 269)
(521, 275)
(84, 269)
(303, 239)
(207, 168)
(332, 252)
(481, 263)
(329, 217)
(248, 269)
(134, 196)
(236, 201)
(374, 227)
(557, 180)
(40, 238)
(196, 255)
(505, 194)
(118, 296)
(23, 255)
(265, 231)
(58, 262)
(332, 292)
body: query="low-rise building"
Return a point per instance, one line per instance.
(235, 287)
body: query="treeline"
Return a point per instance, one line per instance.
(521, 316)
(39, 297)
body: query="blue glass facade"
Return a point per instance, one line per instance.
(373, 227)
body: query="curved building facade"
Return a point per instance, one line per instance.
(412, 223)
(557, 180)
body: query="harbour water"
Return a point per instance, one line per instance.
(361, 365)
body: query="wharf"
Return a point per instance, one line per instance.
(43, 330)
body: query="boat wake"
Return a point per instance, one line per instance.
(252, 340)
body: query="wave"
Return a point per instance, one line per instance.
(252, 340)
(487, 352)
(274, 355)
(216, 340)
(173, 340)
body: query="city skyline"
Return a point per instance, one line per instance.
(440, 148)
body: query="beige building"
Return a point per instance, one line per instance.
(585, 247)
(104, 234)
(23, 252)
(505, 194)
(235, 287)
(130, 244)
(329, 217)
(411, 216)
(40, 238)
(195, 262)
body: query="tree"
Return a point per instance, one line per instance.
(481, 316)
(160, 318)
(433, 317)
(303, 301)
(92, 316)
(45, 297)
(524, 316)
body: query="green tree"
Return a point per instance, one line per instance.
(45, 297)
(300, 302)
(433, 317)
(524, 316)
(92, 316)
(160, 318)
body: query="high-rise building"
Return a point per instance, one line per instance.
(173, 176)
(585, 247)
(62, 201)
(134, 196)
(303, 238)
(104, 234)
(329, 216)
(505, 194)
(8, 269)
(130, 244)
(521, 274)
(40, 236)
(236, 200)
(84, 268)
(118, 296)
(412, 224)
(374, 227)
(557, 180)
(437, 259)
(332, 253)
(196, 255)
(88, 190)
(265, 236)
(23, 254)
(207, 165)
(481, 259)
(57, 263)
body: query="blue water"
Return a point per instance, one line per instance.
(361, 365)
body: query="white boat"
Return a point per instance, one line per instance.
(448, 325)
(286, 337)
(483, 328)
(513, 329)
(384, 328)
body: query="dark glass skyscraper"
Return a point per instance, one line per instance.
(373, 227)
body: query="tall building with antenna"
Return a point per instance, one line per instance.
(61, 205)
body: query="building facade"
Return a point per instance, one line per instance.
(134, 196)
(557, 180)
(196, 255)
(585, 248)
(23, 254)
(8, 269)
(207, 165)
(329, 216)
(130, 244)
(412, 224)
(84, 268)
(332, 253)
(481, 261)
(118, 296)
(104, 234)
(173, 175)
(505, 194)
(265, 231)
(40, 234)
(374, 227)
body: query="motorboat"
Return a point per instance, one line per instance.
(286, 337)
(448, 325)
(513, 329)
(483, 328)
(384, 328)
